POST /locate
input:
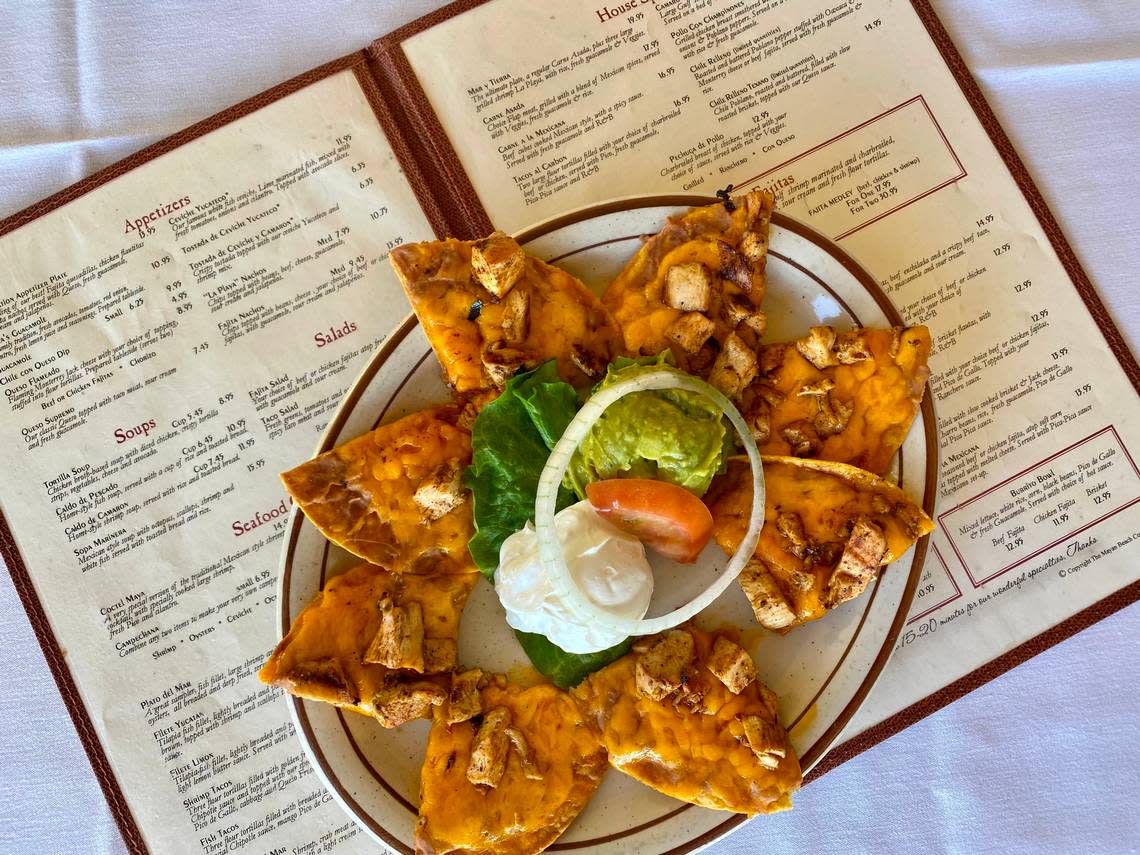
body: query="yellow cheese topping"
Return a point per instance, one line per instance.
(698, 755)
(461, 319)
(826, 498)
(520, 815)
(637, 296)
(322, 656)
(885, 391)
(361, 495)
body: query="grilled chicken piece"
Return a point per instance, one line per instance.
(441, 492)
(399, 643)
(464, 701)
(362, 641)
(660, 670)
(489, 749)
(400, 701)
(690, 331)
(731, 664)
(859, 564)
(735, 367)
(772, 609)
(497, 262)
(817, 347)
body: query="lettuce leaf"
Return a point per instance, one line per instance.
(510, 442)
(566, 670)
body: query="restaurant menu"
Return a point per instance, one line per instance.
(174, 337)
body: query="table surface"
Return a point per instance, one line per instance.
(1044, 758)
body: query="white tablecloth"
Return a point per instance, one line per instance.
(1044, 759)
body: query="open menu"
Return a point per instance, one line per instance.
(180, 327)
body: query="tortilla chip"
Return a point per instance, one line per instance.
(659, 308)
(482, 337)
(373, 495)
(536, 797)
(691, 744)
(324, 655)
(828, 529)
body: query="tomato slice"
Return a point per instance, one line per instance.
(666, 518)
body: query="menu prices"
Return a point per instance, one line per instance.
(848, 113)
(173, 340)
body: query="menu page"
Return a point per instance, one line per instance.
(848, 112)
(168, 343)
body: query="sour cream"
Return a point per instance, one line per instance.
(608, 565)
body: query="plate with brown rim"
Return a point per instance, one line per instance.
(822, 672)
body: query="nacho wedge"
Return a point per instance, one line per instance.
(394, 496)
(374, 642)
(696, 288)
(849, 397)
(490, 310)
(507, 768)
(684, 714)
(828, 529)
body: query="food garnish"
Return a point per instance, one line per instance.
(511, 441)
(670, 434)
(608, 566)
(667, 518)
(550, 484)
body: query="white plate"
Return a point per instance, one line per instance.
(822, 672)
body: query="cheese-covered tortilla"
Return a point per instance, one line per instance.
(507, 769)
(374, 642)
(490, 310)
(696, 288)
(828, 529)
(685, 714)
(394, 496)
(848, 397)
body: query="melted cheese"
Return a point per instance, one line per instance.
(828, 498)
(360, 494)
(698, 757)
(636, 296)
(520, 815)
(322, 656)
(460, 317)
(885, 390)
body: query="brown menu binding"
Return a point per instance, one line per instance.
(453, 208)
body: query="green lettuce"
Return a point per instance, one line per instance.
(510, 443)
(566, 670)
(667, 435)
